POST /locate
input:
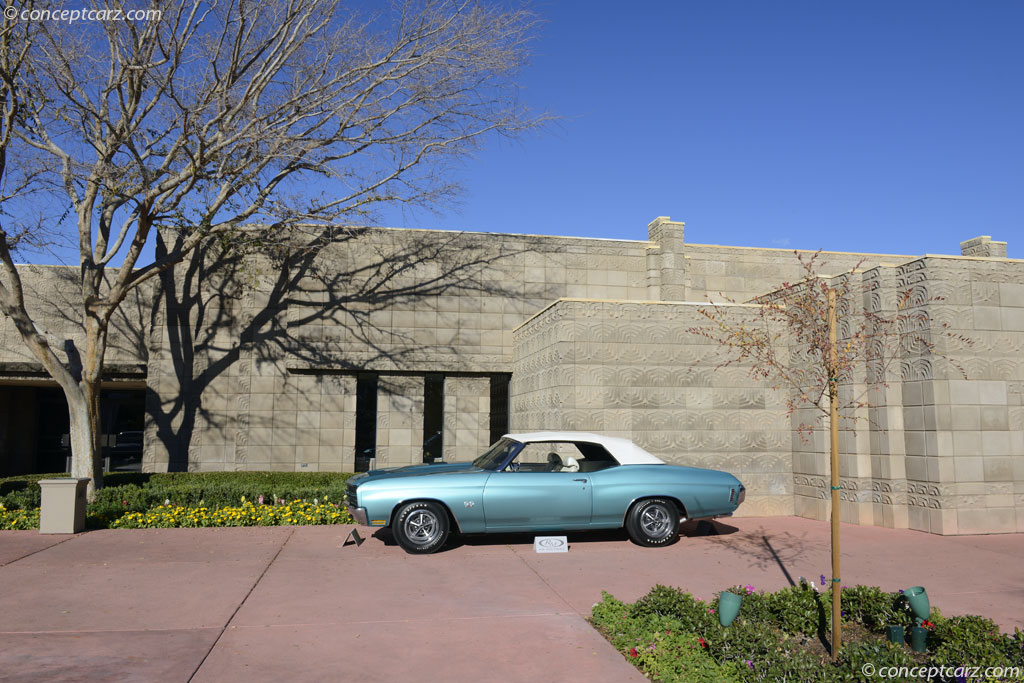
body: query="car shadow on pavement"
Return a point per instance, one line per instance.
(689, 529)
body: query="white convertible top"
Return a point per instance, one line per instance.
(623, 450)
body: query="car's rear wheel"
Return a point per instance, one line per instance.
(420, 528)
(653, 522)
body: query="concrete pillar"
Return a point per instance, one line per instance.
(668, 235)
(328, 427)
(467, 417)
(983, 246)
(399, 421)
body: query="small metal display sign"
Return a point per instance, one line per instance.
(353, 537)
(551, 544)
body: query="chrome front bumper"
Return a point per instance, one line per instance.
(358, 514)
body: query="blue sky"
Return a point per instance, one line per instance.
(853, 126)
(866, 126)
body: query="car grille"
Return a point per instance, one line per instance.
(350, 495)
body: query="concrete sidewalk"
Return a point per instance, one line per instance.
(261, 604)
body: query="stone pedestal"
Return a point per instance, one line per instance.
(63, 506)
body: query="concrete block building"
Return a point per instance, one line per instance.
(405, 346)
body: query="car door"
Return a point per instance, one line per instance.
(536, 497)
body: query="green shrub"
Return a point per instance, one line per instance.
(853, 656)
(22, 492)
(801, 610)
(692, 614)
(875, 608)
(743, 641)
(220, 489)
(672, 636)
(678, 656)
(623, 629)
(133, 491)
(1013, 647)
(970, 641)
(788, 664)
(609, 612)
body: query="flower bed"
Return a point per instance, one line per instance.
(18, 519)
(672, 636)
(191, 499)
(296, 513)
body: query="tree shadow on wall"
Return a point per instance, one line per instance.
(53, 296)
(319, 302)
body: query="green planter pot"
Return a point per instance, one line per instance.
(728, 607)
(917, 597)
(895, 634)
(918, 639)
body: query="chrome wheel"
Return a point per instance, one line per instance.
(655, 521)
(422, 527)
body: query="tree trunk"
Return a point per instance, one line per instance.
(84, 404)
(84, 414)
(833, 400)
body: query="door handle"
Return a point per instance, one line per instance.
(583, 480)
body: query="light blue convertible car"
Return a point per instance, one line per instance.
(542, 481)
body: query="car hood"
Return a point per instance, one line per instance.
(413, 471)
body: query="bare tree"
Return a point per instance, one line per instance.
(811, 340)
(200, 120)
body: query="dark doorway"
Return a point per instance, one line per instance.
(433, 417)
(53, 440)
(34, 434)
(123, 415)
(366, 420)
(499, 405)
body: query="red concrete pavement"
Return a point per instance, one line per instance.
(270, 603)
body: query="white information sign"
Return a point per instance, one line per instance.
(551, 544)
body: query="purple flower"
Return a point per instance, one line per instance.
(822, 579)
(901, 591)
(748, 588)
(750, 664)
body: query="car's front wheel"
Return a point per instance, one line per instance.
(653, 522)
(420, 528)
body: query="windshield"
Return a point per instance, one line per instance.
(495, 456)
